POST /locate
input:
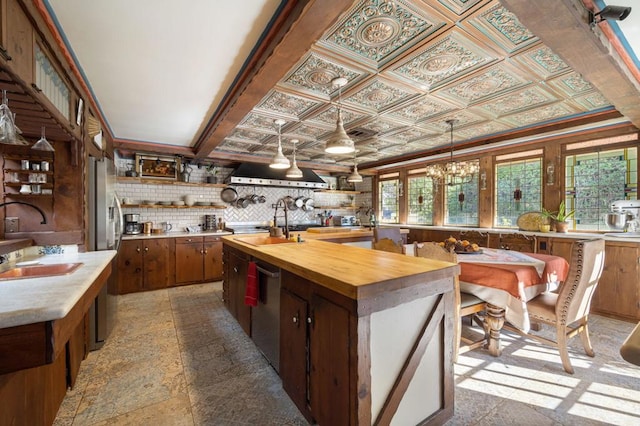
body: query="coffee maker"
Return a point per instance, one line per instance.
(132, 224)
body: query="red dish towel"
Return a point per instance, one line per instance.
(251, 295)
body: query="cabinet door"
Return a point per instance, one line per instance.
(212, 259)
(130, 272)
(18, 44)
(329, 373)
(617, 291)
(159, 263)
(189, 264)
(238, 263)
(293, 347)
(561, 247)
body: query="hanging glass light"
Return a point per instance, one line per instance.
(339, 142)
(453, 172)
(354, 176)
(279, 161)
(43, 144)
(294, 172)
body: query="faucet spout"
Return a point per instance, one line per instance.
(44, 219)
(286, 216)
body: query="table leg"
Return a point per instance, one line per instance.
(494, 321)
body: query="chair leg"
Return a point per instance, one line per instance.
(561, 334)
(586, 341)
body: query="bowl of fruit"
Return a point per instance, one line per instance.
(461, 246)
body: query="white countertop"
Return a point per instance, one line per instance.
(175, 234)
(31, 300)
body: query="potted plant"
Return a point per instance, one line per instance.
(560, 217)
(213, 172)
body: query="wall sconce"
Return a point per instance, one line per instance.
(483, 180)
(551, 173)
(614, 13)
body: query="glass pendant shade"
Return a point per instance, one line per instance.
(43, 144)
(294, 172)
(279, 161)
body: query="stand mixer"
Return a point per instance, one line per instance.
(624, 216)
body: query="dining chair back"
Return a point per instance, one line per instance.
(466, 304)
(387, 244)
(391, 233)
(568, 309)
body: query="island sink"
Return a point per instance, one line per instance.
(264, 241)
(39, 271)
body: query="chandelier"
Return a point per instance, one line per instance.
(452, 172)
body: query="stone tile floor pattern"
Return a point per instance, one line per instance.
(177, 357)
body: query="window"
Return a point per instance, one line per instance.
(462, 203)
(49, 81)
(389, 204)
(420, 200)
(594, 180)
(518, 190)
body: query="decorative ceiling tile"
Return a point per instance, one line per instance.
(378, 95)
(248, 135)
(450, 57)
(411, 134)
(316, 73)
(530, 97)
(459, 7)
(329, 116)
(257, 121)
(503, 28)
(373, 144)
(423, 109)
(375, 30)
(539, 115)
(462, 118)
(482, 129)
(286, 104)
(592, 101)
(236, 146)
(491, 82)
(571, 84)
(543, 61)
(380, 125)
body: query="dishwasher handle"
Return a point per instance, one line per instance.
(268, 273)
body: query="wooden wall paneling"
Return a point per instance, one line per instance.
(485, 199)
(552, 194)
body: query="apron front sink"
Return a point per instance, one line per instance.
(39, 271)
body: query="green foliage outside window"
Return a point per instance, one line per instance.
(420, 200)
(463, 213)
(525, 176)
(389, 207)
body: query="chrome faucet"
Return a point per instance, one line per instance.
(286, 216)
(44, 219)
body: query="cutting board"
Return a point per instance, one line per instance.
(328, 230)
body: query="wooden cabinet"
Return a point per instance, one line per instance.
(618, 293)
(513, 241)
(234, 285)
(316, 379)
(17, 40)
(561, 247)
(146, 264)
(198, 259)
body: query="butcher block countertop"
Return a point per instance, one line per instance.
(355, 272)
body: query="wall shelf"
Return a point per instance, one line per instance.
(159, 206)
(148, 181)
(338, 191)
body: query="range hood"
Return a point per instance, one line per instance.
(262, 174)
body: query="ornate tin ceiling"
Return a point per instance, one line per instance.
(410, 67)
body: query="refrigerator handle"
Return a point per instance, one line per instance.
(119, 222)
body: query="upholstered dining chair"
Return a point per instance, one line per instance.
(387, 244)
(466, 304)
(391, 233)
(568, 309)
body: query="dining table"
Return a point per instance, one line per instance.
(506, 280)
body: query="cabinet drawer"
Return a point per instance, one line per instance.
(211, 239)
(189, 240)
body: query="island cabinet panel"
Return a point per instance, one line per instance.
(198, 259)
(561, 247)
(146, 264)
(617, 292)
(212, 258)
(234, 286)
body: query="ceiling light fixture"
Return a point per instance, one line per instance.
(354, 176)
(614, 13)
(279, 161)
(294, 172)
(453, 172)
(43, 144)
(339, 142)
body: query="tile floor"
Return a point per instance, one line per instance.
(176, 357)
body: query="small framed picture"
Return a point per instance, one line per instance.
(157, 167)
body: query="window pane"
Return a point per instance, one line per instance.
(420, 200)
(389, 201)
(525, 176)
(466, 212)
(595, 180)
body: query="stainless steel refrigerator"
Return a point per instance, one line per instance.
(105, 233)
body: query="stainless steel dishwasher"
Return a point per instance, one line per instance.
(265, 318)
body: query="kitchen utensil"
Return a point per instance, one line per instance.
(254, 198)
(44, 166)
(243, 202)
(24, 164)
(25, 189)
(308, 205)
(299, 202)
(147, 227)
(290, 203)
(228, 195)
(166, 227)
(189, 200)
(262, 199)
(618, 221)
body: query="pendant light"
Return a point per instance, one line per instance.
(339, 142)
(279, 161)
(294, 172)
(354, 176)
(43, 144)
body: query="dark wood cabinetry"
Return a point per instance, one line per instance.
(146, 264)
(17, 39)
(234, 285)
(198, 259)
(316, 379)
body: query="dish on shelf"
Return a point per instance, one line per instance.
(203, 203)
(530, 221)
(164, 203)
(216, 204)
(178, 203)
(148, 202)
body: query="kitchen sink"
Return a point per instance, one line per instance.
(39, 271)
(264, 240)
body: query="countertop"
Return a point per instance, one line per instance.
(32, 300)
(355, 272)
(174, 234)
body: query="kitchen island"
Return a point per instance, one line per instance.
(365, 336)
